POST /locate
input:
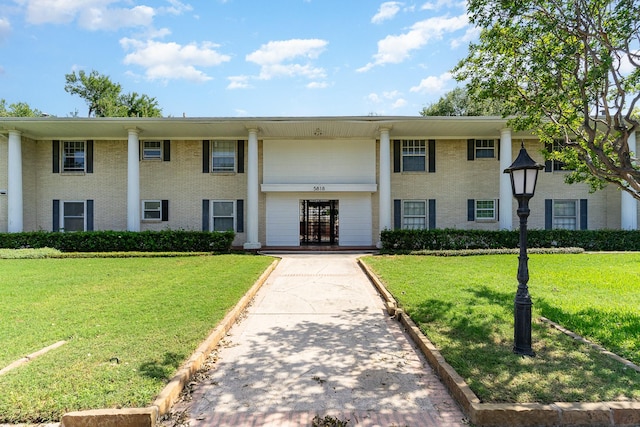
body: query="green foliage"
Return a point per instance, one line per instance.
(465, 307)
(128, 323)
(458, 102)
(18, 109)
(454, 239)
(105, 98)
(564, 70)
(121, 241)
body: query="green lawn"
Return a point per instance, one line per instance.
(129, 324)
(465, 306)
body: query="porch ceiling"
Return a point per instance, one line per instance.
(308, 128)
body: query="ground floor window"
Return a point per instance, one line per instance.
(485, 210)
(414, 214)
(73, 216)
(223, 215)
(565, 214)
(152, 210)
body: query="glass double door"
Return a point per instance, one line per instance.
(319, 222)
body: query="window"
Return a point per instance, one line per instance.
(73, 156)
(73, 218)
(223, 154)
(485, 148)
(414, 214)
(414, 155)
(152, 150)
(558, 145)
(485, 210)
(223, 215)
(565, 214)
(152, 210)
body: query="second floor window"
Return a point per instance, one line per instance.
(223, 154)
(73, 156)
(485, 148)
(152, 150)
(414, 155)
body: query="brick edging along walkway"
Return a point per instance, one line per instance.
(623, 413)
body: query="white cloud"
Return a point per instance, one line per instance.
(177, 7)
(399, 103)
(5, 29)
(373, 97)
(112, 19)
(238, 82)
(387, 11)
(392, 98)
(472, 33)
(439, 4)
(90, 14)
(318, 85)
(283, 58)
(171, 61)
(432, 84)
(396, 49)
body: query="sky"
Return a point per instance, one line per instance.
(237, 58)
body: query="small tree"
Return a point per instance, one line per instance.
(105, 98)
(567, 70)
(458, 102)
(18, 109)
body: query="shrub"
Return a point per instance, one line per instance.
(454, 239)
(121, 241)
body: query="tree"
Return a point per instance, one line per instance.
(567, 70)
(105, 98)
(19, 109)
(458, 102)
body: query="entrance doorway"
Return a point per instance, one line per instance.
(318, 222)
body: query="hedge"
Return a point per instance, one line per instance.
(121, 241)
(454, 239)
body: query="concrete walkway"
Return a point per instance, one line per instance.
(317, 341)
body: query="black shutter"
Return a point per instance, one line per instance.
(397, 214)
(471, 149)
(548, 214)
(165, 210)
(206, 161)
(497, 209)
(240, 216)
(548, 164)
(397, 158)
(56, 215)
(432, 155)
(56, 156)
(166, 150)
(240, 156)
(432, 214)
(205, 214)
(471, 209)
(89, 164)
(498, 153)
(89, 215)
(583, 214)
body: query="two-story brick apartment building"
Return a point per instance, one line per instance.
(284, 181)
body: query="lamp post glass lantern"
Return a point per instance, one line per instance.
(524, 175)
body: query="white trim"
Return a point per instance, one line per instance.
(319, 188)
(143, 210)
(152, 157)
(485, 219)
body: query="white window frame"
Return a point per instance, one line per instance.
(225, 155)
(152, 153)
(63, 203)
(576, 217)
(478, 209)
(232, 215)
(557, 165)
(406, 217)
(413, 148)
(73, 145)
(146, 209)
(485, 145)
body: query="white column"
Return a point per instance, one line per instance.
(133, 181)
(506, 195)
(384, 189)
(252, 192)
(14, 189)
(628, 204)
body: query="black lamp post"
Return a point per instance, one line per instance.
(524, 174)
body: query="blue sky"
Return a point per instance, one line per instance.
(236, 58)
